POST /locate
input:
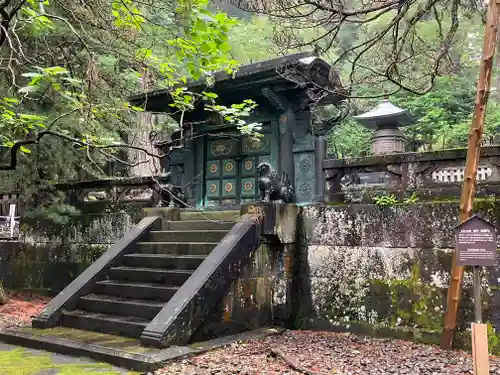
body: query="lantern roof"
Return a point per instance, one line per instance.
(387, 113)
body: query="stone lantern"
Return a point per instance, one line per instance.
(386, 119)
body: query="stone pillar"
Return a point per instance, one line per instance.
(319, 156)
(286, 159)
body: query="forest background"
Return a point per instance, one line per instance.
(68, 66)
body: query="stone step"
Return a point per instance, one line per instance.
(100, 303)
(186, 236)
(123, 352)
(104, 323)
(231, 215)
(128, 289)
(167, 261)
(150, 275)
(199, 224)
(181, 248)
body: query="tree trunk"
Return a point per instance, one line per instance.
(497, 66)
(471, 162)
(148, 165)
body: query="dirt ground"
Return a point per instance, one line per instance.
(321, 353)
(20, 308)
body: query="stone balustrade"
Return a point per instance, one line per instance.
(89, 196)
(433, 174)
(122, 190)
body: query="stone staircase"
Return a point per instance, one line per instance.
(160, 290)
(134, 291)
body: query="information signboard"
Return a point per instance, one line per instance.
(476, 243)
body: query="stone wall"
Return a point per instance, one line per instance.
(47, 256)
(385, 270)
(247, 304)
(263, 294)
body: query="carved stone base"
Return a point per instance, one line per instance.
(152, 339)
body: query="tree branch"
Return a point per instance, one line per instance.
(393, 43)
(275, 352)
(6, 17)
(90, 146)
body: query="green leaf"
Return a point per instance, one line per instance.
(31, 74)
(27, 89)
(210, 95)
(55, 70)
(10, 100)
(25, 116)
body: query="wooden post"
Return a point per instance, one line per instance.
(479, 335)
(12, 219)
(473, 154)
(479, 332)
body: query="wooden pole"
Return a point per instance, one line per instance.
(473, 153)
(479, 334)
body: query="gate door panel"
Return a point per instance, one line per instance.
(231, 169)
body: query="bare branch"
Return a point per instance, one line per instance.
(88, 145)
(390, 48)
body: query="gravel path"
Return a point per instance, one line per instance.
(322, 353)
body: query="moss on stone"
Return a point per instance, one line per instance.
(88, 337)
(485, 205)
(415, 311)
(382, 330)
(493, 340)
(444, 199)
(488, 206)
(21, 362)
(389, 301)
(412, 303)
(337, 204)
(406, 302)
(21, 266)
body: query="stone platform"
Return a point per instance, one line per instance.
(116, 350)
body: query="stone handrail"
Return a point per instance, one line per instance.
(67, 299)
(436, 170)
(181, 316)
(124, 190)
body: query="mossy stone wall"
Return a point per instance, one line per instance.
(385, 270)
(47, 257)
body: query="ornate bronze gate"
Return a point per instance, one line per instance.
(230, 168)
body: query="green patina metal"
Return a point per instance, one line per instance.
(230, 169)
(218, 166)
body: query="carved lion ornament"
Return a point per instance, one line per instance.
(167, 193)
(271, 187)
